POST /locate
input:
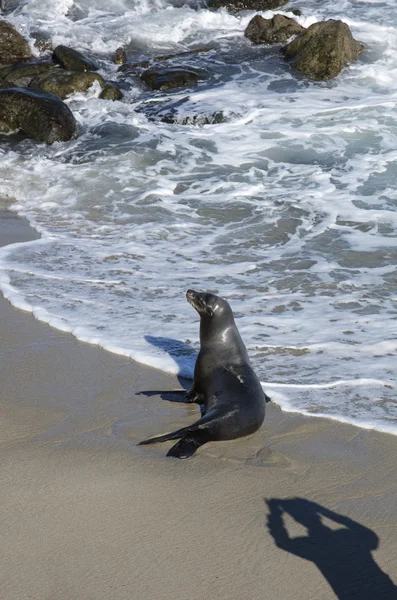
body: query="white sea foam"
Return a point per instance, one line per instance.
(287, 208)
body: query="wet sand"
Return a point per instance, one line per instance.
(305, 509)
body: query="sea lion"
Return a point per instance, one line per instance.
(224, 382)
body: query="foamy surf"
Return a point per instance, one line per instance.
(287, 208)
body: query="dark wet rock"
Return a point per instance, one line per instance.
(163, 78)
(39, 115)
(135, 67)
(297, 12)
(8, 5)
(13, 46)
(323, 50)
(145, 64)
(120, 56)
(21, 74)
(199, 119)
(72, 60)
(62, 83)
(237, 5)
(4, 83)
(272, 31)
(42, 40)
(111, 92)
(180, 112)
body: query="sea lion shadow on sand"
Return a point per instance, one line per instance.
(343, 554)
(182, 354)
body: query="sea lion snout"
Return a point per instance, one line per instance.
(204, 302)
(196, 299)
(191, 296)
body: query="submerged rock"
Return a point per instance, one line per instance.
(323, 50)
(145, 64)
(72, 60)
(163, 78)
(42, 40)
(272, 31)
(39, 115)
(120, 56)
(111, 92)
(8, 5)
(180, 112)
(237, 5)
(62, 83)
(21, 74)
(13, 46)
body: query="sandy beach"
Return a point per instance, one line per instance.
(306, 508)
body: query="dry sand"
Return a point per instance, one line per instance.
(86, 514)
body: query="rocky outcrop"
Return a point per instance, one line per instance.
(39, 115)
(21, 74)
(163, 78)
(72, 60)
(237, 5)
(13, 47)
(323, 50)
(62, 83)
(272, 31)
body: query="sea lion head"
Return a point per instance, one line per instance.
(209, 305)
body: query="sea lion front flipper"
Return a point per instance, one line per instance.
(180, 395)
(187, 446)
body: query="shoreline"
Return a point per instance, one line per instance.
(22, 231)
(89, 514)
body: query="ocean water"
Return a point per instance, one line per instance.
(287, 208)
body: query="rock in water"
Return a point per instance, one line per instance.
(167, 78)
(21, 74)
(62, 83)
(8, 5)
(272, 31)
(323, 50)
(120, 56)
(39, 115)
(72, 60)
(13, 46)
(237, 5)
(111, 92)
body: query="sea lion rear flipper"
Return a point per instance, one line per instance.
(186, 447)
(185, 431)
(267, 398)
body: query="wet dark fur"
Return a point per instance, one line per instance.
(224, 382)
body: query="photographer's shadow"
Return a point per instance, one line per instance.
(343, 555)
